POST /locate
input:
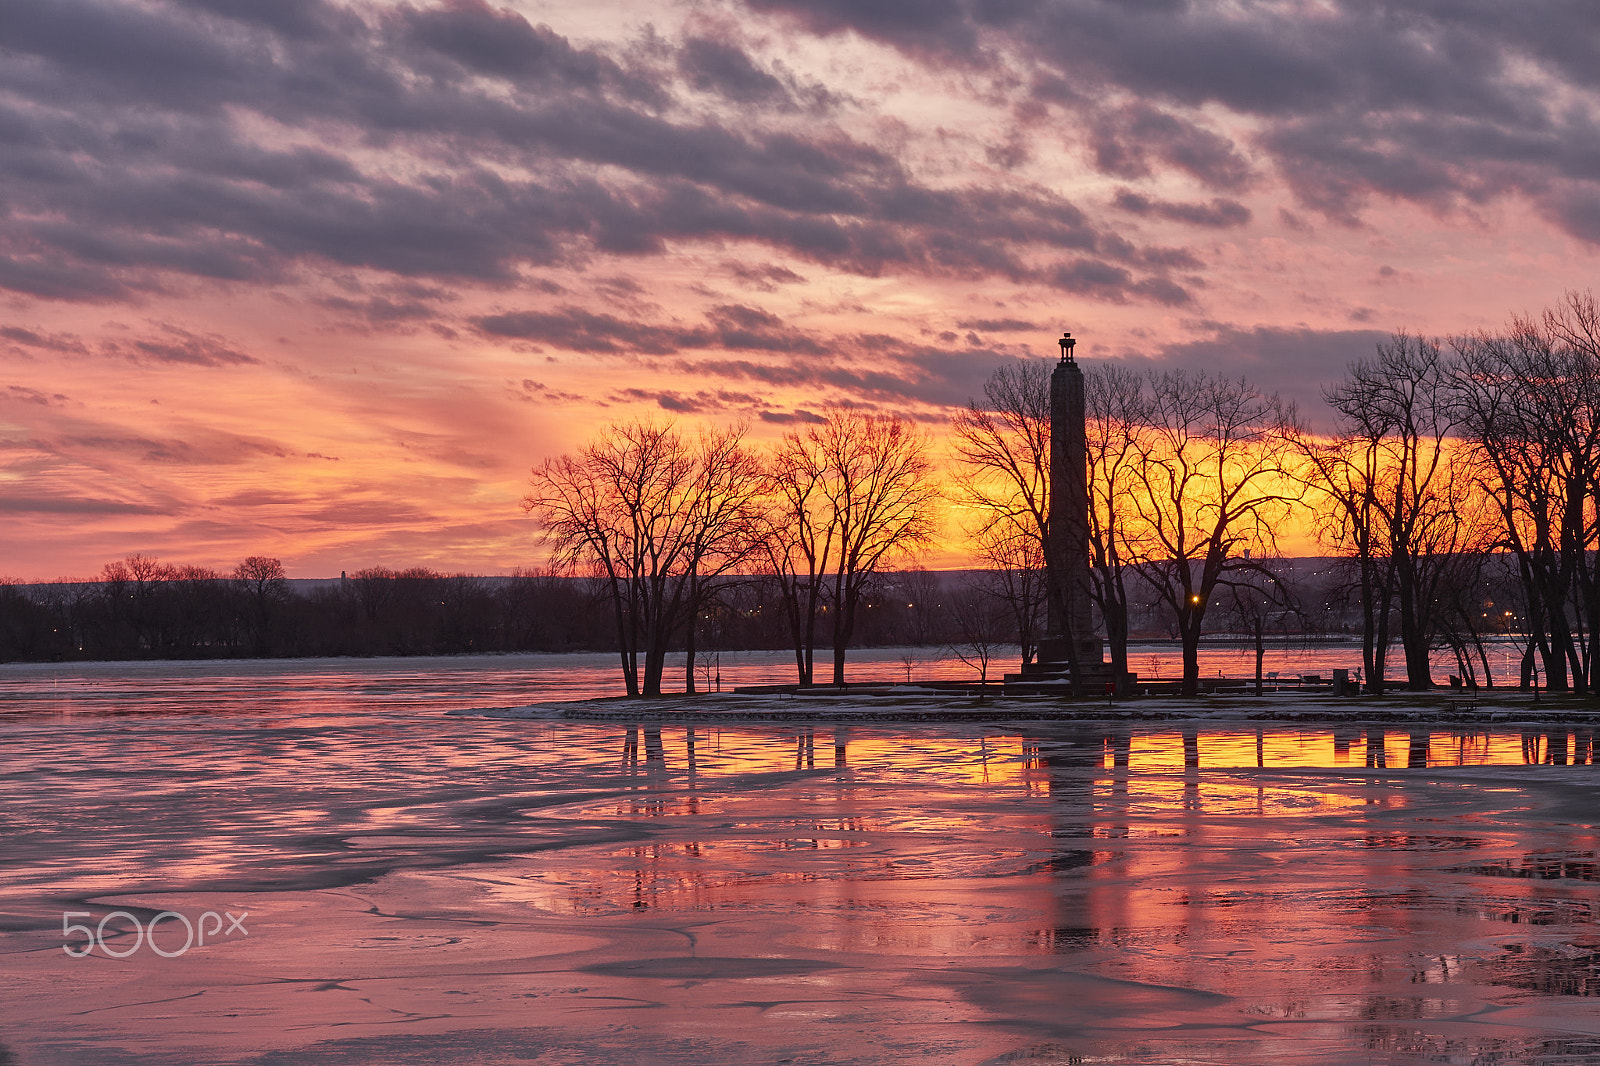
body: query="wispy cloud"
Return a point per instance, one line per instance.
(354, 265)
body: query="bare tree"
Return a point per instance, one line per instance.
(1004, 451)
(1258, 602)
(725, 519)
(982, 625)
(1016, 559)
(1002, 447)
(266, 586)
(1400, 487)
(1343, 473)
(1210, 493)
(850, 496)
(799, 545)
(1114, 401)
(1531, 407)
(1463, 621)
(130, 588)
(653, 515)
(196, 608)
(1573, 325)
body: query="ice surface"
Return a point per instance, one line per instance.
(424, 888)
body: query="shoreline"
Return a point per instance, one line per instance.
(908, 704)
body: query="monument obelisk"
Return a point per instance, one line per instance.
(1069, 639)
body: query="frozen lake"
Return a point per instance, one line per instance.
(320, 686)
(416, 888)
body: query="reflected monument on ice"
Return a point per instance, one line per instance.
(1070, 648)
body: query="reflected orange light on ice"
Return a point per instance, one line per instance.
(1167, 752)
(861, 834)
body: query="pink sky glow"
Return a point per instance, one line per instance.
(322, 280)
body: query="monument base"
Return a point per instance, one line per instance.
(1051, 671)
(1057, 652)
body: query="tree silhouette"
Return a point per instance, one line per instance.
(265, 586)
(653, 514)
(1210, 492)
(850, 496)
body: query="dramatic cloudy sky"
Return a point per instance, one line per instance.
(322, 279)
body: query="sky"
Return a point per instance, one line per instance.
(322, 280)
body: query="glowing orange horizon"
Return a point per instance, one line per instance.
(354, 330)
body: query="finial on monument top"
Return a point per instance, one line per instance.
(1067, 343)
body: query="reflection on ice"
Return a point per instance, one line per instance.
(1546, 867)
(1551, 970)
(444, 889)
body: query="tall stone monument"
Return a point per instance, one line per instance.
(1069, 640)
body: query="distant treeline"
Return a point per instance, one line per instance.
(144, 609)
(141, 608)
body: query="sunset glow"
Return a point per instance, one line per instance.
(322, 280)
